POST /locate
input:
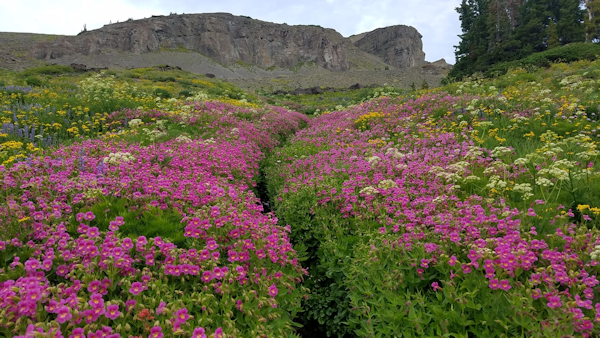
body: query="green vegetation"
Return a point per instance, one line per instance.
(437, 213)
(329, 100)
(498, 31)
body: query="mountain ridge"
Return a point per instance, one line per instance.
(252, 52)
(228, 39)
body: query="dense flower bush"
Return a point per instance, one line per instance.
(116, 238)
(419, 229)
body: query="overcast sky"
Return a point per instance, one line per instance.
(436, 20)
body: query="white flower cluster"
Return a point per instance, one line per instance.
(586, 155)
(439, 199)
(161, 124)
(383, 91)
(559, 170)
(496, 183)
(560, 174)
(374, 160)
(521, 161)
(499, 151)
(118, 157)
(98, 87)
(395, 153)
(544, 182)
(568, 80)
(154, 133)
(92, 193)
(549, 136)
(459, 167)
(496, 167)
(387, 184)
(369, 191)
(473, 153)
(525, 189)
(519, 119)
(200, 96)
(135, 123)
(596, 253)
(168, 104)
(183, 139)
(472, 107)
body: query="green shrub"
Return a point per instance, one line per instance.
(47, 70)
(33, 81)
(163, 93)
(186, 93)
(568, 53)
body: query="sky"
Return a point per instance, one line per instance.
(436, 20)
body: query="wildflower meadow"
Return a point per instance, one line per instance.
(138, 208)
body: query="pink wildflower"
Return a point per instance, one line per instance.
(273, 290)
(136, 288)
(112, 311)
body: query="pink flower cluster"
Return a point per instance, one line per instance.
(82, 271)
(395, 181)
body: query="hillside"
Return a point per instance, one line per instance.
(234, 47)
(14, 49)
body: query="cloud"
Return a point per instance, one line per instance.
(436, 20)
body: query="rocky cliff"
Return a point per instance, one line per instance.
(222, 37)
(229, 40)
(399, 46)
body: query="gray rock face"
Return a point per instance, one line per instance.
(399, 46)
(223, 37)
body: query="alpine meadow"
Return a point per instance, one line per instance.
(155, 201)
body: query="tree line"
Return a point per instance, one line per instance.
(495, 31)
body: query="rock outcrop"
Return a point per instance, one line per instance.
(399, 46)
(225, 38)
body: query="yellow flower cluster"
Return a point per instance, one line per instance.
(362, 122)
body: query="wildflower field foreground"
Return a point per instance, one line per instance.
(151, 227)
(470, 210)
(466, 211)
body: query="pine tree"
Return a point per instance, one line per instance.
(553, 38)
(569, 23)
(474, 40)
(496, 31)
(499, 24)
(532, 31)
(592, 20)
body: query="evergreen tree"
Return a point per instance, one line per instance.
(592, 20)
(553, 38)
(532, 32)
(569, 24)
(496, 31)
(474, 40)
